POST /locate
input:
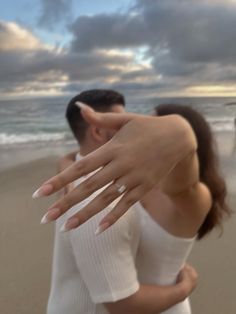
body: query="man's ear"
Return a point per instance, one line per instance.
(98, 134)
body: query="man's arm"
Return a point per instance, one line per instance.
(153, 299)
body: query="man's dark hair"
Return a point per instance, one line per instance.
(99, 99)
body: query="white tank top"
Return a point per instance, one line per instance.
(161, 256)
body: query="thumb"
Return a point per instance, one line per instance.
(106, 120)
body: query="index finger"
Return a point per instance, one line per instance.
(109, 120)
(78, 169)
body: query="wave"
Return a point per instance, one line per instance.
(222, 124)
(218, 124)
(8, 139)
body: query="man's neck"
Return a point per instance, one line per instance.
(86, 149)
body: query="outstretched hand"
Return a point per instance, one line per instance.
(143, 151)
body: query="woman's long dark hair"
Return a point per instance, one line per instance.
(208, 164)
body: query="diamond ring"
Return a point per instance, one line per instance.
(120, 188)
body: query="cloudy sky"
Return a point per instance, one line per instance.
(143, 48)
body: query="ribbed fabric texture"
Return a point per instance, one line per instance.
(89, 270)
(161, 256)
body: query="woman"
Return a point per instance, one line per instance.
(169, 230)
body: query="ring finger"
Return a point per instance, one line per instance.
(127, 200)
(85, 189)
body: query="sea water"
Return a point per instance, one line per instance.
(35, 128)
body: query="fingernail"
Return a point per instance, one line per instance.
(80, 105)
(44, 220)
(43, 191)
(70, 224)
(102, 228)
(83, 106)
(50, 215)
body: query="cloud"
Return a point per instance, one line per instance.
(183, 37)
(53, 12)
(15, 37)
(193, 31)
(49, 66)
(107, 31)
(27, 64)
(154, 48)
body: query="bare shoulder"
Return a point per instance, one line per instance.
(197, 200)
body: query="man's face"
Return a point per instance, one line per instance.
(117, 108)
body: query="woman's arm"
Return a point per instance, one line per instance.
(183, 176)
(183, 186)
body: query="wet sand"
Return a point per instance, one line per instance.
(26, 249)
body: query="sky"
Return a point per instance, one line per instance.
(142, 48)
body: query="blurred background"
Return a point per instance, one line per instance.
(153, 52)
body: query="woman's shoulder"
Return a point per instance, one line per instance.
(196, 199)
(181, 214)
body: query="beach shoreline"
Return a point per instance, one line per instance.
(17, 155)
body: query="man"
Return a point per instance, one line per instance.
(98, 274)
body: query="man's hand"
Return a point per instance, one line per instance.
(188, 279)
(151, 299)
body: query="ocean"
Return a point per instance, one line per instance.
(35, 128)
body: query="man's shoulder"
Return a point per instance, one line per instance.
(127, 224)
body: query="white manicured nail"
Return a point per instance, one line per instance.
(51, 215)
(45, 219)
(81, 105)
(70, 224)
(43, 191)
(63, 228)
(102, 228)
(36, 194)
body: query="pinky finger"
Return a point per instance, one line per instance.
(128, 200)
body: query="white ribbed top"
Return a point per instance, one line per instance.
(161, 256)
(89, 270)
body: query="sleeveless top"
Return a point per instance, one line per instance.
(161, 256)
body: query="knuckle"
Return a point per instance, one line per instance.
(66, 204)
(90, 210)
(112, 217)
(90, 185)
(79, 167)
(117, 149)
(127, 162)
(130, 201)
(107, 197)
(85, 215)
(59, 181)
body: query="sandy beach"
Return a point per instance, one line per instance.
(26, 249)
